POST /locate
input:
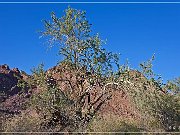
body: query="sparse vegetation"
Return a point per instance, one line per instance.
(75, 95)
(113, 123)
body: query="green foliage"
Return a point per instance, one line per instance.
(50, 95)
(123, 72)
(152, 99)
(146, 68)
(39, 75)
(83, 51)
(174, 86)
(23, 85)
(169, 108)
(172, 105)
(72, 32)
(85, 57)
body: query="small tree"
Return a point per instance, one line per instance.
(72, 32)
(82, 52)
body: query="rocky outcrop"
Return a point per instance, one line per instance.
(8, 81)
(11, 102)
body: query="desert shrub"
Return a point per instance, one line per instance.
(170, 115)
(174, 86)
(113, 123)
(23, 123)
(38, 75)
(163, 105)
(151, 97)
(49, 98)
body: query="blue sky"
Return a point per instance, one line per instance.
(134, 30)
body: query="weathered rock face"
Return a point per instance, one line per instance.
(8, 81)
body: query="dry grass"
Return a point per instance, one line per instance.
(112, 123)
(23, 123)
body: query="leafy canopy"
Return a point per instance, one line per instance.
(72, 32)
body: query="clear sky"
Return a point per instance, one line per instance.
(134, 30)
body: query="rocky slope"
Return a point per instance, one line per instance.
(11, 101)
(115, 101)
(8, 81)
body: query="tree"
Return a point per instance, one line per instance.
(72, 32)
(85, 58)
